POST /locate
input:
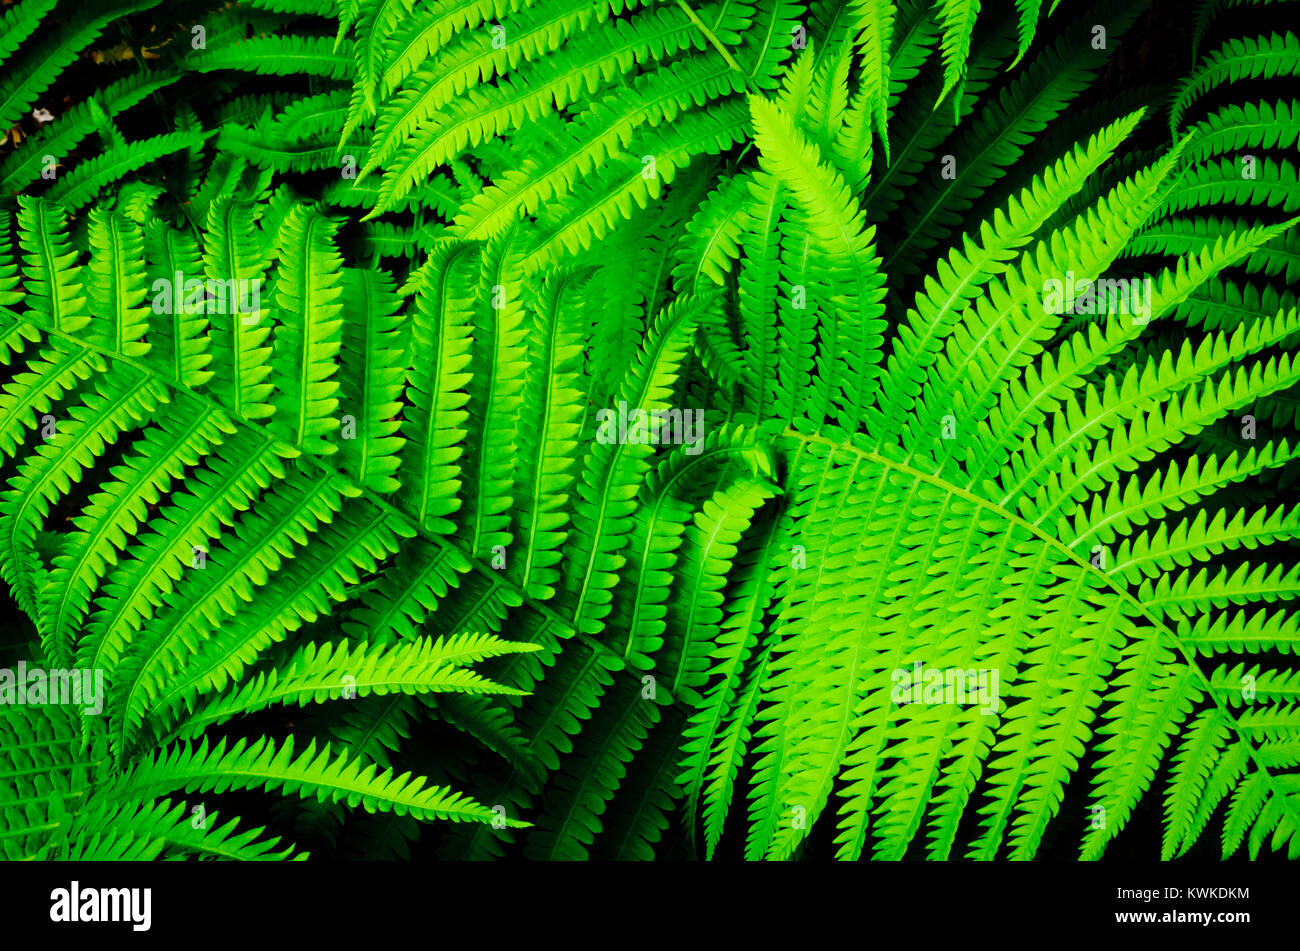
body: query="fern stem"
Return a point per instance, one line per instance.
(708, 35)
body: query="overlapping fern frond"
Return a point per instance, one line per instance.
(328, 440)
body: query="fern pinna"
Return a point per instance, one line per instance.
(975, 532)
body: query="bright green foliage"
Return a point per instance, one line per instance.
(651, 429)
